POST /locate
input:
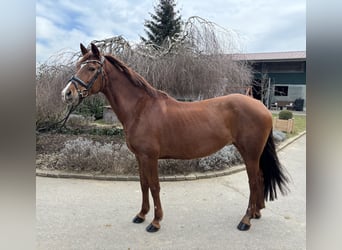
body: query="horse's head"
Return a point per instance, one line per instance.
(89, 78)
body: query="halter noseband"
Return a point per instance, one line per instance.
(77, 81)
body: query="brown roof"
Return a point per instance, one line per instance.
(271, 56)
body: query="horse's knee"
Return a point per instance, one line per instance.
(155, 189)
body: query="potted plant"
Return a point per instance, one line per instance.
(284, 121)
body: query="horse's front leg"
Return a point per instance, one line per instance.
(145, 207)
(149, 169)
(158, 212)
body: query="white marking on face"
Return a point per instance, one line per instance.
(64, 91)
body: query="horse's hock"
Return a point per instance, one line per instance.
(283, 125)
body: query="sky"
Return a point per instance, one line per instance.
(262, 25)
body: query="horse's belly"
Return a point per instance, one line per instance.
(194, 146)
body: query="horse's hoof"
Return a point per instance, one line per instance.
(138, 220)
(151, 229)
(243, 227)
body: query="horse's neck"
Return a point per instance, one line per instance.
(123, 97)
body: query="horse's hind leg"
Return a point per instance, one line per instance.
(260, 200)
(253, 209)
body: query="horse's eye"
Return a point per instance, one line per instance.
(92, 69)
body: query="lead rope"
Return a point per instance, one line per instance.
(63, 121)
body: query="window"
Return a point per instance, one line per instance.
(281, 90)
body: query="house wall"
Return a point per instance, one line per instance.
(294, 92)
(290, 74)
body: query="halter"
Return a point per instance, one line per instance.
(77, 81)
(82, 94)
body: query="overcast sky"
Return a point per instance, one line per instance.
(263, 25)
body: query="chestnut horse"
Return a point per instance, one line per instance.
(157, 126)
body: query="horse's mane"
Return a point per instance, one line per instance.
(136, 79)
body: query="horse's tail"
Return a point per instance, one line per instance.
(273, 172)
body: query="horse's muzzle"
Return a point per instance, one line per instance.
(68, 96)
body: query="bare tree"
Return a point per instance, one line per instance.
(51, 77)
(265, 89)
(197, 65)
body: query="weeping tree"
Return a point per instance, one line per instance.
(198, 64)
(165, 25)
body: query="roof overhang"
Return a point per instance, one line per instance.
(271, 56)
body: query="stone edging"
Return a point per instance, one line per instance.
(189, 177)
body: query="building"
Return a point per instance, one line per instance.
(279, 77)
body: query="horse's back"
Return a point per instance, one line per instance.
(196, 129)
(237, 110)
(249, 114)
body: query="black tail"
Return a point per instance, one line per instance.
(272, 170)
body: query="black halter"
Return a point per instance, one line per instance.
(82, 94)
(77, 81)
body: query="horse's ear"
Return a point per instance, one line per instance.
(83, 49)
(95, 50)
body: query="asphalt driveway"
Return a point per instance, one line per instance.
(200, 214)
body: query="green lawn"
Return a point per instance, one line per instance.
(299, 124)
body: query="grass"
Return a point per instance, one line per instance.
(299, 124)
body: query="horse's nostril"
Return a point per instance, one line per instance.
(68, 93)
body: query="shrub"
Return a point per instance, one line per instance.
(86, 155)
(177, 167)
(83, 154)
(285, 115)
(75, 121)
(227, 156)
(92, 106)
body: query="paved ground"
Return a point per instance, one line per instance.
(201, 214)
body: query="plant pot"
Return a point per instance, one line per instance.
(283, 125)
